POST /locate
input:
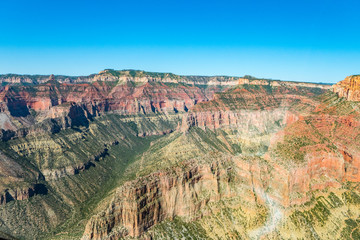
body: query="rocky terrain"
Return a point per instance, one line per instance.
(132, 154)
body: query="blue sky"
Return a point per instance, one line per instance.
(316, 40)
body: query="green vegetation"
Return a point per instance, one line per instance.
(178, 229)
(292, 148)
(351, 230)
(351, 197)
(318, 214)
(332, 104)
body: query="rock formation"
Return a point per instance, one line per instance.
(349, 88)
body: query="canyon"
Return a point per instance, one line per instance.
(134, 154)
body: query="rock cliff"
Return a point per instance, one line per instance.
(349, 88)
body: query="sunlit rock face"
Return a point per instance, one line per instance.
(349, 88)
(131, 154)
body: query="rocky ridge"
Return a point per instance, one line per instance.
(137, 76)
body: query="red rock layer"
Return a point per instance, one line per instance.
(101, 97)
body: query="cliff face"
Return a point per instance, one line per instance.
(349, 88)
(247, 104)
(52, 99)
(142, 203)
(22, 193)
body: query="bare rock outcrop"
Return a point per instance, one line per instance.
(349, 88)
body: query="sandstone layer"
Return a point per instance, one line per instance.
(349, 88)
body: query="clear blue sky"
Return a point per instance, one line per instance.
(307, 40)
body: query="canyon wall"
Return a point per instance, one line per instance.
(349, 88)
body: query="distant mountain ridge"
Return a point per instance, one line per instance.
(110, 75)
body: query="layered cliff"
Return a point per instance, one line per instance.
(123, 76)
(349, 88)
(141, 77)
(71, 105)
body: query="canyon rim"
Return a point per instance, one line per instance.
(144, 155)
